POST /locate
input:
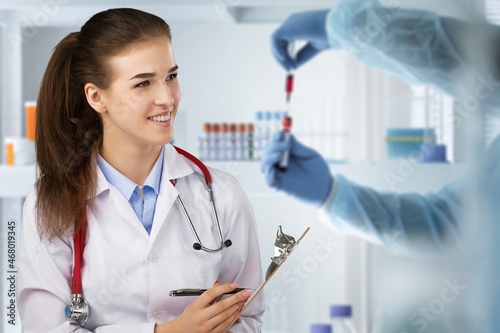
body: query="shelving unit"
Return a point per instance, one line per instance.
(15, 181)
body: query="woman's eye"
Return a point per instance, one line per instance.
(142, 84)
(172, 76)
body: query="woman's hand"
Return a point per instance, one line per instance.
(208, 314)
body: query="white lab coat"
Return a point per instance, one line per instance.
(127, 274)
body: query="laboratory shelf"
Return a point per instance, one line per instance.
(395, 175)
(15, 181)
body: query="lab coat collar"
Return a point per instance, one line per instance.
(102, 183)
(174, 166)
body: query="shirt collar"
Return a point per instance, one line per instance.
(125, 185)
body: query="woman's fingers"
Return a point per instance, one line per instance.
(223, 319)
(215, 314)
(215, 300)
(213, 293)
(228, 302)
(225, 311)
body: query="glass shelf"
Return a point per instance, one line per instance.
(15, 181)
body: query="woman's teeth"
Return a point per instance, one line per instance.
(159, 118)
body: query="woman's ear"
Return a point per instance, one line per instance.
(94, 98)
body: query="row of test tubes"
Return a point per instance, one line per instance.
(239, 142)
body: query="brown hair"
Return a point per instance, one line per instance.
(69, 132)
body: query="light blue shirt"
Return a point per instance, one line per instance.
(144, 205)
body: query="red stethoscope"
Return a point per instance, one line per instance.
(78, 309)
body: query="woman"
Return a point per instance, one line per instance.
(105, 117)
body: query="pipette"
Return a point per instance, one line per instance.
(286, 122)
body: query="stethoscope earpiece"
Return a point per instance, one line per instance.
(197, 246)
(228, 243)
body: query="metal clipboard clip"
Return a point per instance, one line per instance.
(283, 246)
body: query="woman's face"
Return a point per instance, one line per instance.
(141, 102)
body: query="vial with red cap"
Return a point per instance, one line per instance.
(233, 142)
(224, 141)
(205, 142)
(242, 141)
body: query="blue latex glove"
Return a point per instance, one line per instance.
(307, 177)
(308, 26)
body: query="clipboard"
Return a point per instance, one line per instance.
(277, 265)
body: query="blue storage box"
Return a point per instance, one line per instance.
(406, 142)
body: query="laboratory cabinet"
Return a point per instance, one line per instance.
(227, 74)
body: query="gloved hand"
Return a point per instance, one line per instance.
(308, 26)
(307, 177)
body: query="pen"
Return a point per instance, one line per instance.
(198, 292)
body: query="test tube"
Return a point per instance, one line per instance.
(250, 138)
(277, 121)
(216, 142)
(258, 134)
(268, 127)
(287, 119)
(287, 126)
(242, 130)
(224, 139)
(207, 128)
(232, 131)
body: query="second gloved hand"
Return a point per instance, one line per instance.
(307, 26)
(307, 177)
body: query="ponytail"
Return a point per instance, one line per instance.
(68, 137)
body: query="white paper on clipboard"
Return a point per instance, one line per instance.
(261, 287)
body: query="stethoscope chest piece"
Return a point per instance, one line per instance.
(78, 310)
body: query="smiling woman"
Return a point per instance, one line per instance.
(108, 185)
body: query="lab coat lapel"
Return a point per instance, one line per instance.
(119, 203)
(174, 166)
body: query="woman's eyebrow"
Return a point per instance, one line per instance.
(173, 69)
(150, 75)
(143, 76)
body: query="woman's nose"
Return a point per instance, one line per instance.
(164, 96)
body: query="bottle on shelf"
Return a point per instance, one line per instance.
(30, 110)
(320, 328)
(341, 319)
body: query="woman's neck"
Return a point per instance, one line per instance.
(133, 162)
